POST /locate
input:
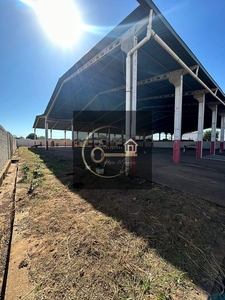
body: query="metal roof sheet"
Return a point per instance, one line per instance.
(97, 81)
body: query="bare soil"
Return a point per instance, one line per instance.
(6, 218)
(153, 243)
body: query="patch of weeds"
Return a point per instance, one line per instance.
(32, 176)
(38, 288)
(37, 174)
(25, 168)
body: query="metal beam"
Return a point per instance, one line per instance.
(54, 124)
(166, 76)
(179, 61)
(136, 29)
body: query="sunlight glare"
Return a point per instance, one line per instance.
(60, 20)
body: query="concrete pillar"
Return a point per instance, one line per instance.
(201, 113)
(222, 131)
(65, 138)
(88, 138)
(214, 109)
(177, 81)
(134, 90)
(46, 133)
(131, 93)
(35, 137)
(51, 134)
(72, 135)
(144, 139)
(109, 136)
(93, 140)
(122, 136)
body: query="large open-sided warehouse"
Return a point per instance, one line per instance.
(141, 65)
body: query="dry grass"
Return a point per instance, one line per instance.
(156, 243)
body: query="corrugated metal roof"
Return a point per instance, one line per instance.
(97, 81)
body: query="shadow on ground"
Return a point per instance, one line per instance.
(185, 230)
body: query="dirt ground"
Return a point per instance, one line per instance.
(6, 217)
(70, 242)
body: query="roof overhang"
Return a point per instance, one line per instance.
(97, 82)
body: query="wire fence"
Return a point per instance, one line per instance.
(7, 146)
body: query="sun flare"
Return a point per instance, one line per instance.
(60, 20)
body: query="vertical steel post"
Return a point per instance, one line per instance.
(122, 136)
(134, 90)
(128, 109)
(46, 133)
(130, 46)
(109, 137)
(177, 81)
(214, 109)
(131, 96)
(93, 140)
(65, 138)
(144, 139)
(201, 112)
(35, 137)
(134, 100)
(222, 132)
(72, 135)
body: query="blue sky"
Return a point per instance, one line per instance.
(31, 64)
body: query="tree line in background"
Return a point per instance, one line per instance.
(30, 136)
(206, 136)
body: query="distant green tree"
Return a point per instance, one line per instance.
(41, 137)
(31, 136)
(207, 135)
(18, 137)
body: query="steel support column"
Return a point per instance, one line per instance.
(222, 131)
(144, 139)
(201, 112)
(122, 136)
(65, 138)
(177, 81)
(93, 139)
(130, 46)
(51, 134)
(35, 137)
(46, 133)
(134, 101)
(131, 93)
(214, 109)
(98, 139)
(72, 135)
(77, 138)
(109, 137)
